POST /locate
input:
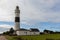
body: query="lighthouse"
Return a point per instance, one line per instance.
(22, 31)
(17, 18)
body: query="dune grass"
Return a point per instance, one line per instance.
(36, 37)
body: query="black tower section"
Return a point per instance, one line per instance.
(17, 19)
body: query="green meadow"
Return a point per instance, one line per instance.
(36, 37)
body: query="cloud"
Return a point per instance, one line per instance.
(5, 26)
(1, 32)
(42, 10)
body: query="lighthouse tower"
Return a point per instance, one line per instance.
(17, 18)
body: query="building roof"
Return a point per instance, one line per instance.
(34, 30)
(24, 29)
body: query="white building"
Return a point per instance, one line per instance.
(20, 31)
(28, 32)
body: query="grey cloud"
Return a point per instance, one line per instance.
(30, 9)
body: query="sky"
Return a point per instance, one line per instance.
(40, 14)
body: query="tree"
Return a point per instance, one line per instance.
(3, 32)
(11, 31)
(48, 31)
(6, 33)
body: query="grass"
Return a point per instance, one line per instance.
(36, 37)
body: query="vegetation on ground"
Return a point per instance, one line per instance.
(36, 37)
